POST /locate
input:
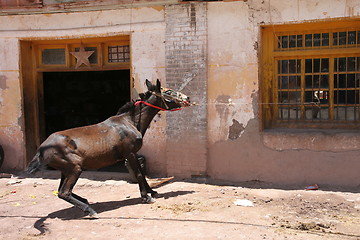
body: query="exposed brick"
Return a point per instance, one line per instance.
(185, 45)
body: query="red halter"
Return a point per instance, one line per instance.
(149, 104)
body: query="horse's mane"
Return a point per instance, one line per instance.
(127, 107)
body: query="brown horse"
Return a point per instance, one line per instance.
(117, 138)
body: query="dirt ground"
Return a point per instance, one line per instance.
(185, 209)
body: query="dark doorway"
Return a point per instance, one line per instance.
(73, 99)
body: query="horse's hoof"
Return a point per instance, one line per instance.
(148, 199)
(154, 194)
(93, 216)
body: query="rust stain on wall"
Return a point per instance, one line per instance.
(158, 8)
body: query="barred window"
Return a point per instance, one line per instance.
(118, 54)
(311, 77)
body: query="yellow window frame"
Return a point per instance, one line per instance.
(272, 52)
(101, 45)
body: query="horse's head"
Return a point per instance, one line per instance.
(164, 98)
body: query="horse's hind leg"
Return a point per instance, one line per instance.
(84, 200)
(65, 192)
(143, 185)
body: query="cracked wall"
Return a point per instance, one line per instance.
(209, 51)
(146, 27)
(11, 127)
(238, 149)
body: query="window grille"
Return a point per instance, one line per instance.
(118, 54)
(314, 78)
(328, 39)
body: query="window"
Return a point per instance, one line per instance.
(118, 54)
(112, 52)
(53, 56)
(311, 75)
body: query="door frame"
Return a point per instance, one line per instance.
(32, 69)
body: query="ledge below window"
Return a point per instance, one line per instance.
(314, 140)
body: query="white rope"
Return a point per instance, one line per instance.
(131, 10)
(233, 104)
(346, 3)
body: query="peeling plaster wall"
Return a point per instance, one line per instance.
(232, 148)
(11, 125)
(232, 67)
(238, 150)
(146, 28)
(148, 61)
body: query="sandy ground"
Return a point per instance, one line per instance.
(185, 209)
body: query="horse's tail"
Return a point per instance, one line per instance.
(35, 164)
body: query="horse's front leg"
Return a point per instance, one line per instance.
(148, 188)
(153, 193)
(143, 185)
(131, 171)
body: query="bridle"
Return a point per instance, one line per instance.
(164, 97)
(153, 106)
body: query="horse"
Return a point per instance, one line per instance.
(95, 146)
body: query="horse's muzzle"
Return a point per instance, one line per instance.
(186, 102)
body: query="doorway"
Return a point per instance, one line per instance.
(74, 99)
(59, 94)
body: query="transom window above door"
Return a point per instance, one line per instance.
(311, 75)
(109, 53)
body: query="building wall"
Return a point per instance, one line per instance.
(186, 70)
(210, 51)
(11, 124)
(238, 149)
(146, 27)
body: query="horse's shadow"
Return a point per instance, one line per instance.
(100, 207)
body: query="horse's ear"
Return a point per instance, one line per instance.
(158, 85)
(149, 85)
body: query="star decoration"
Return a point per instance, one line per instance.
(82, 56)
